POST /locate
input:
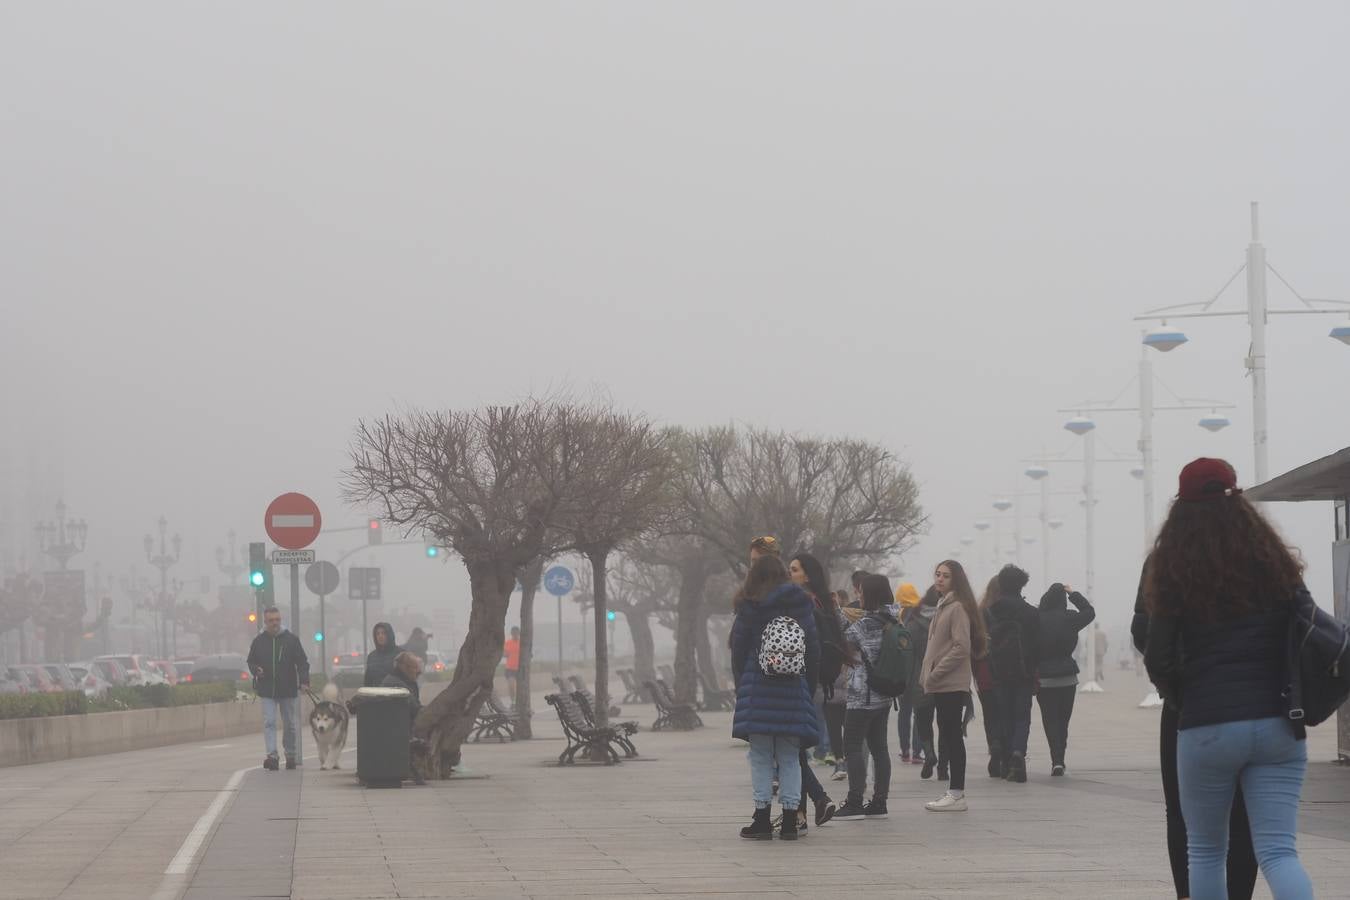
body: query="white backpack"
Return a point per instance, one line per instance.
(782, 647)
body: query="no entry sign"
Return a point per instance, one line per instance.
(293, 521)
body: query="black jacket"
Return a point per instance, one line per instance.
(1228, 671)
(1059, 630)
(1014, 659)
(380, 661)
(279, 665)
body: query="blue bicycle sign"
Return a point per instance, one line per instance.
(559, 581)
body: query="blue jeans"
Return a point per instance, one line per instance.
(775, 753)
(1014, 711)
(1269, 762)
(290, 707)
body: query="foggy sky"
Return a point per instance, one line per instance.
(228, 232)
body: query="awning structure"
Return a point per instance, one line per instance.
(1327, 478)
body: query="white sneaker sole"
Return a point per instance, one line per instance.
(954, 807)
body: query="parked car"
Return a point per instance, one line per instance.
(11, 685)
(110, 670)
(61, 674)
(91, 682)
(223, 667)
(348, 675)
(37, 678)
(167, 669)
(140, 671)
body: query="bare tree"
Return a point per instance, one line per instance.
(690, 562)
(641, 590)
(487, 483)
(629, 470)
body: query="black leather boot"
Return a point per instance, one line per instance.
(789, 830)
(761, 826)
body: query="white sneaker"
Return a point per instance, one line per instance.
(947, 803)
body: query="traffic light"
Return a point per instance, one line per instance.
(433, 551)
(611, 615)
(374, 534)
(260, 579)
(318, 637)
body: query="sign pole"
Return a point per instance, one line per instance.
(559, 636)
(295, 627)
(323, 630)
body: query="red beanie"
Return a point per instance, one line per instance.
(1207, 479)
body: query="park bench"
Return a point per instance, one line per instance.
(625, 730)
(669, 714)
(577, 683)
(495, 720)
(714, 698)
(584, 738)
(632, 690)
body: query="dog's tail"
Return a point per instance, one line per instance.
(331, 692)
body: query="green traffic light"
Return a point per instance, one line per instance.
(433, 552)
(318, 637)
(610, 615)
(257, 579)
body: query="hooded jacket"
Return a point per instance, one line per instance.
(1059, 631)
(865, 636)
(279, 665)
(1014, 659)
(380, 661)
(772, 704)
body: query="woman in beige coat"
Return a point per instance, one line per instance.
(956, 637)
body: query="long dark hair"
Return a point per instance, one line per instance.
(876, 592)
(930, 596)
(979, 635)
(766, 573)
(816, 580)
(1217, 558)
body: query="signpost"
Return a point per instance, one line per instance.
(293, 522)
(322, 579)
(559, 582)
(363, 583)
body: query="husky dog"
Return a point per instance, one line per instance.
(328, 721)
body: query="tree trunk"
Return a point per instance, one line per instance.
(529, 585)
(445, 722)
(689, 617)
(644, 645)
(707, 664)
(599, 558)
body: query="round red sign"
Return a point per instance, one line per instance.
(292, 521)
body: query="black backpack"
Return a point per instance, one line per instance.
(1007, 662)
(831, 646)
(1318, 661)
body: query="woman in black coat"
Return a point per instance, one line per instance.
(1057, 669)
(774, 713)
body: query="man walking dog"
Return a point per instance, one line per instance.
(280, 671)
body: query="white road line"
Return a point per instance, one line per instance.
(182, 860)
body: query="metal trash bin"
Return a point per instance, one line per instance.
(383, 730)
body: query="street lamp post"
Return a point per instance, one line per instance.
(1166, 339)
(163, 561)
(63, 538)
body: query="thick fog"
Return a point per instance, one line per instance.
(228, 232)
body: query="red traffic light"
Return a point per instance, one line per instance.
(373, 533)
(374, 523)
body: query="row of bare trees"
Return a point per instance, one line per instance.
(662, 515)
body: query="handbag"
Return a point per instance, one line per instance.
(1317, 662)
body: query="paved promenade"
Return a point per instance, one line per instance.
(517, 826)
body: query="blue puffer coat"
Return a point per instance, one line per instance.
(771, 704)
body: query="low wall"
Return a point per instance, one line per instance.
(51, 738)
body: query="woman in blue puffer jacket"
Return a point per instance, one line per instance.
(775, 713)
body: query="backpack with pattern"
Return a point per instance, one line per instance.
(782, 647)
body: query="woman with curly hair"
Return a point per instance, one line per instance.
(1218, 587)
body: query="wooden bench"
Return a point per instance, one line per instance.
(669, 714)
(714, 698)
(586, 700)
(584, 738)
(495, 720)
(632, 690)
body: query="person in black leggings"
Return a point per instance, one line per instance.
(1242, 865)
